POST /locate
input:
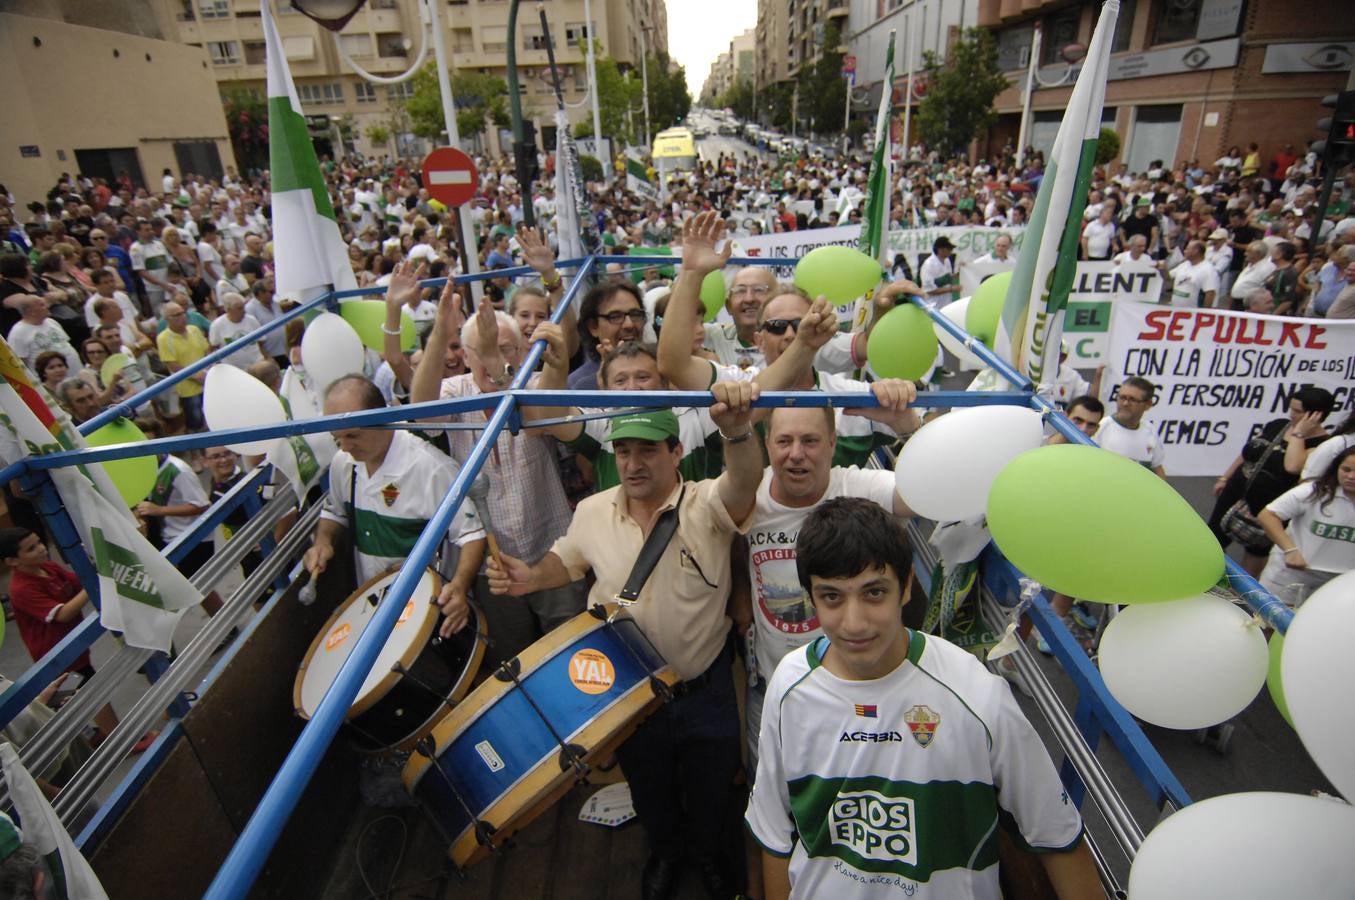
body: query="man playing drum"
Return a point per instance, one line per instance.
(398, 480)
(681, 762)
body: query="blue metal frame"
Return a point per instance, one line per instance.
(247, 857)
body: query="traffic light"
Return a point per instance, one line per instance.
(1338, 149)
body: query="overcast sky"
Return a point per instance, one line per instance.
(700, 30)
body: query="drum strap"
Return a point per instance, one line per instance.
(664, 529)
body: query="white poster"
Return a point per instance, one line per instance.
(970, 242)
(1221, 375)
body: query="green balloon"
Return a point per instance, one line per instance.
(368, 317)
(713, 294)
(1273, 683)
(985, 307)
(902, 344)
(839, 273)
(1095, 525)
(133, 477)
(667, 271)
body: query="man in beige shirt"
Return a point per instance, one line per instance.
(682, 760)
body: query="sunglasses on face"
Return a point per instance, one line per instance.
(779, 326)
(616, 317)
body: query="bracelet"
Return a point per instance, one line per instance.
(551, 284)
(385, 330)
(1291, 550)
(738, 438)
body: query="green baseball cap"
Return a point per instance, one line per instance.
(650, 425)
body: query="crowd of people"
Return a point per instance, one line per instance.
(788, 552)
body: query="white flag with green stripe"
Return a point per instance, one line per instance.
(875, 212)
(308, 251)
(1032, 316)
(637, 177)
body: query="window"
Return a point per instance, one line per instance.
(533, 38)
(1059, 31)
(300, 47)
(365, 91)
(324, 93)
(224, 53)
(356, 44)
(494, 38)
(214, 9)
(391, 45)
(463, 40)
(397, 92)
(1013, 49)
(1177, 20)
(576, 32)
(1156, 132)
(580, 79)
(1123, 26)
(254, 53)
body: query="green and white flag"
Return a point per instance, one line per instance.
(141, 593)
(308, 251)
(1032, 315)
(637, 177)
(875, 212)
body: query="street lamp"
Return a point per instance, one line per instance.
(334, 15)
(1071, 54)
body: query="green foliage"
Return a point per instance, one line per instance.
(823, 90)
(478, 97)
(591, 166)
(247, 124)
(739, 98)
(669, 99)
(960, 92)
(379, 134)
(616, 95)
(1107, 146)
(778, 101)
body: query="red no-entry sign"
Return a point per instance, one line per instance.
(450, 176)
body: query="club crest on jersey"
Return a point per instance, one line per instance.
(922, 724)
(390, 493)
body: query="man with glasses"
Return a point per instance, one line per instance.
(1130, 432)
(611, 313)
(734, 343)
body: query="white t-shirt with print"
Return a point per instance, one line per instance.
(224, 331)
(1141, 444)
(1190, 281)
(1324, 534)
(784, 617)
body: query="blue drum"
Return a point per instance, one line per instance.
(520, 739)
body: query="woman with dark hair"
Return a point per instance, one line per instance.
(1300, 460)
(1259, 475)
(51, 369)
(1316, 546)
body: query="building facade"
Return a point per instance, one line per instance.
(101, 100)
(1189, 79)
(733, 66)
(384, 38)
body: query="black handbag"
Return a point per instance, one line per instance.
(1238, 522)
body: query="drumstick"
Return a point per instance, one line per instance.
(494, 549)
(478, 492)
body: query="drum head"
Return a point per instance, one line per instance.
(336, 640)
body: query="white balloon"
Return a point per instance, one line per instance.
(956, 313)
(233, 398)
(1209, 849)
(1317, 671)
(330, 349)
(945, 470)
(1184, 664)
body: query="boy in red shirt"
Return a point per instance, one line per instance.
(48, 602)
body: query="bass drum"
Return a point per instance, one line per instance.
(417, 678)
(513, 747)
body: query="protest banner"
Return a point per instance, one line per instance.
(1220, 375)
(971, 242)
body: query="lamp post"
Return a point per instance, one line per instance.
(590, 66)
(521, 146)
(644, 75)
(333, 15)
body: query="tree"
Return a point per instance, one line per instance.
(669, 99)
(823, 90)
(591, 167)
(478, 97)
(379, 134)
(960, 92)
(739, 98)
(617, 94)
(247, 124)
(1107, 146)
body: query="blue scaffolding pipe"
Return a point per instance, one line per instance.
(246, 859)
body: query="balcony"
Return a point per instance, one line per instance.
(837, 8)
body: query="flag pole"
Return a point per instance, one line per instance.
(1024, 133)
(908, 101)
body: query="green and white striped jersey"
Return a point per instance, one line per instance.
(897, 786)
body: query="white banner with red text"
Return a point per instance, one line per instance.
(1221, 375)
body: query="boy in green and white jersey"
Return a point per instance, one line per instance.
(889, 759)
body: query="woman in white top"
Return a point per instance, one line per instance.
(1319, 542)
(1310, 463)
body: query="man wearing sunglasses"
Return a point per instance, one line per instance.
(858, 431)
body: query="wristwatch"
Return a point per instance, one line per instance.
(502, 379)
